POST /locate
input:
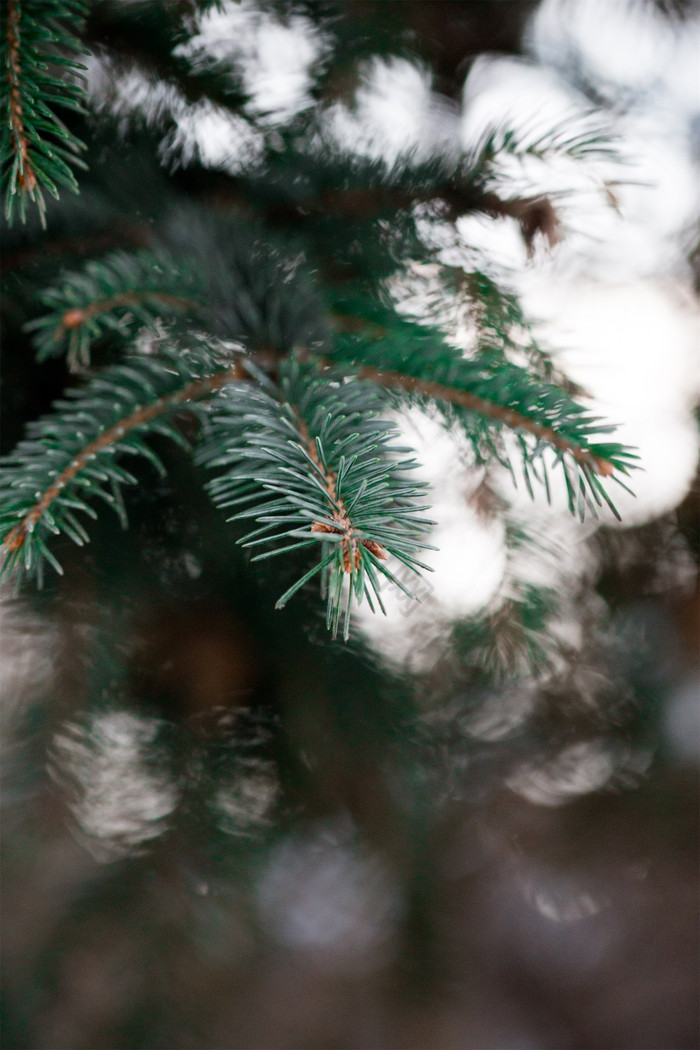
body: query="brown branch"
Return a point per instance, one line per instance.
(77, 316)
(534, 214)
(474, 403)
(26, 178)
(194, 390)
(508, 416)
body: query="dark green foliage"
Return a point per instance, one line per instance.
(38, 152)
(396, 345)
(268, 439)
(257, 289)
(120, 293)
(62, 455)
(240, 831)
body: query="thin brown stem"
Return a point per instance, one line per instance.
(508, 416)
(26, 179)
(472, 402)
(77, 316)
(536, 215)
(63, 247)
(340, 524)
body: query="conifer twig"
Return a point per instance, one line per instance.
(77, 316)
(106, 294)
(321, 472)
(38, 48)
(26, 179)
(340, 524)
(500, 414)
(472, 402)
(192, 391)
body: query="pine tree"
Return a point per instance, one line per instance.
(213, 362)
(307, 364)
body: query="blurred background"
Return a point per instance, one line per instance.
(474, 826)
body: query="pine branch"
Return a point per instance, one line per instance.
(486, 396)
(69, 456)
(117, 293)
(306, 456)
(490, 410)
(302, 185)
(578, 136)
(37, 150)
(314, 460)
(340, 476)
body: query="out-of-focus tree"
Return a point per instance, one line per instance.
(236, 817)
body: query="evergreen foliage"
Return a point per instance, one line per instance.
(121, 293)
(71, 455)
(217, 356)
(300, 440)
(314, 458)
(40, 72)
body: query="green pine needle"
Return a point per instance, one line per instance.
(73, 456)
(311, 461)
(120, 293)
(489, 397)
(37, 151)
